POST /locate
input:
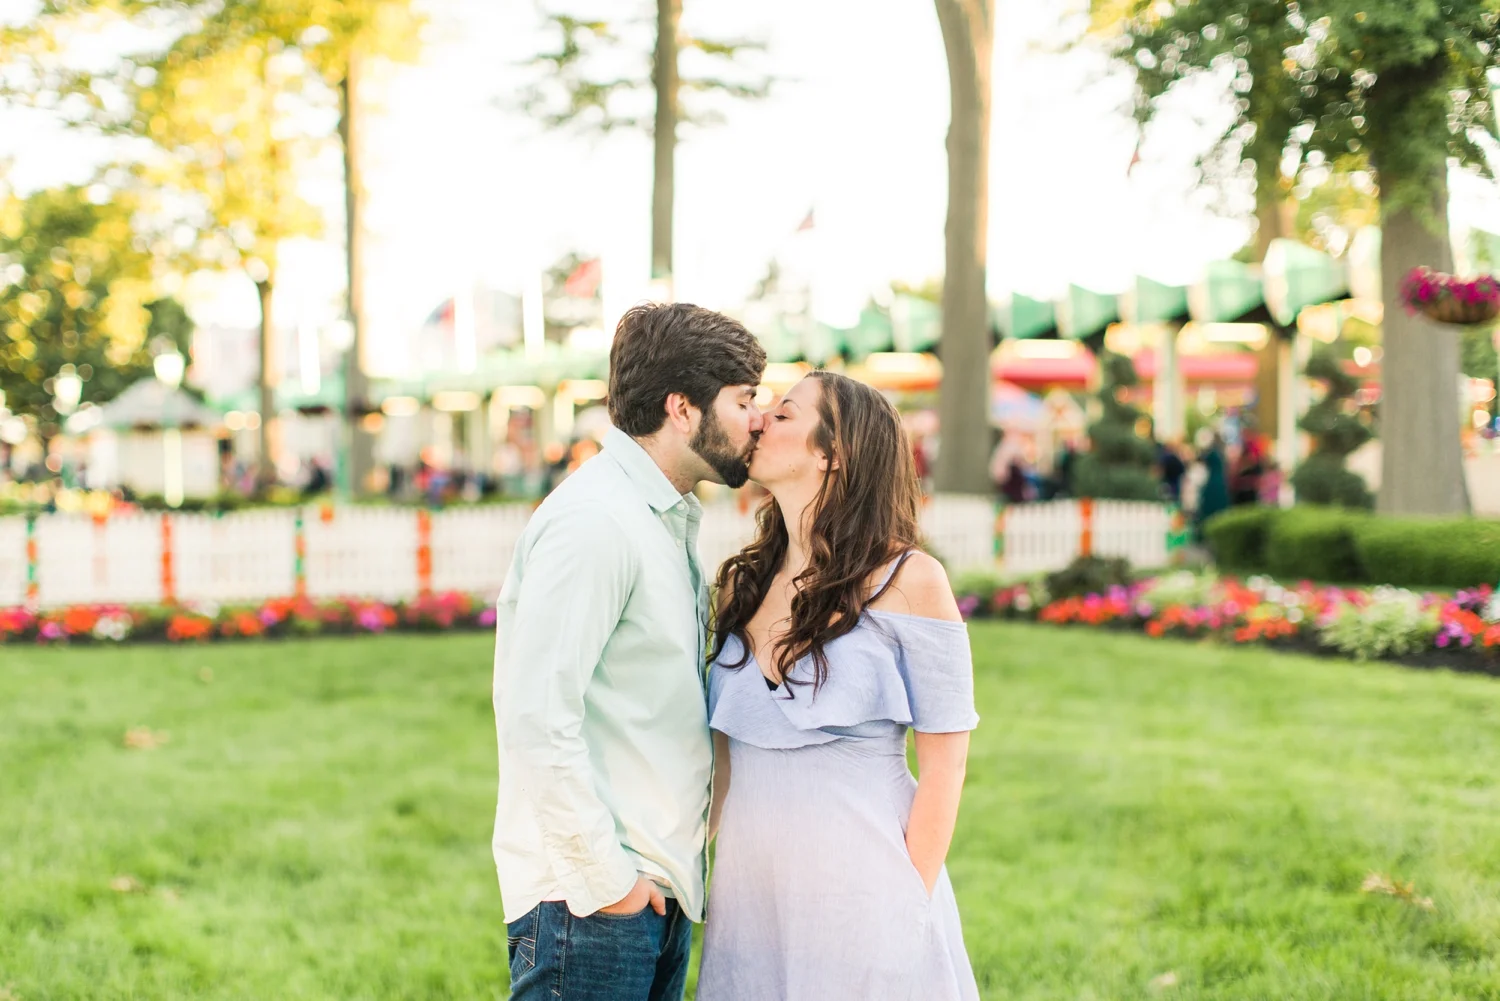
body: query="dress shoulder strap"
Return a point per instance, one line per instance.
(890, 574)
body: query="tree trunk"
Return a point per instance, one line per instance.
(1421, 468)
(664, 132)
(270, 377)
(963, 409)
(360, 443)
(1276, 217)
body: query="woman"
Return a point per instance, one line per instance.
(835, 635)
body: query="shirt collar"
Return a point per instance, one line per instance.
(644, 472)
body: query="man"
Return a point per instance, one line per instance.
(605, 754)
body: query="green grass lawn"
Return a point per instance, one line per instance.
(317, 823)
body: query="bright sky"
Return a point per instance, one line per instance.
(460, 188)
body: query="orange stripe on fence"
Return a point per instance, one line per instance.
(168, 577)
(424, 552)
(1086, 534)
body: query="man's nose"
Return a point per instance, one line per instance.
(757, 420)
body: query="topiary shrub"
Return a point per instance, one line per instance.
(1237, 537)
(1337, 430)
(1118, 465)
(1088, 575)
(1316, 544)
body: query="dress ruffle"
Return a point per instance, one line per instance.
(901, 670)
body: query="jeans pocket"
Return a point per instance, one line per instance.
(520, 941)
(623, 917)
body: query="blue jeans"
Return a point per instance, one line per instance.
(603, 957)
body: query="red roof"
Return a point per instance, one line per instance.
(1236, 367)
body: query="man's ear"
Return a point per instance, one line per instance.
(680, 412)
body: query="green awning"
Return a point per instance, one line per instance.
(782, 343)
(1228, 291)
(1296, 275)
(1152, 302)
(918, 323)
(1083, 312)
(1025, 317)
(289, 396)
(820, 342)
(510, 367)
(874, 332)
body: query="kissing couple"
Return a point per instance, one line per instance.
(635, 727)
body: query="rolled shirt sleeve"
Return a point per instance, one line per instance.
(576, 578)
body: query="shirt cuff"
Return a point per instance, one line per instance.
(598, 884)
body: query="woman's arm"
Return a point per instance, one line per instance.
(721, 783)
(941, 759)
(921, 588)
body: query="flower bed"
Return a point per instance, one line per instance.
(204, 623)
(1459, 630)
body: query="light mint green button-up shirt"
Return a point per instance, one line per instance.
(605, 754)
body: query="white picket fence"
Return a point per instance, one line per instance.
(1042, 537)
(392, 553)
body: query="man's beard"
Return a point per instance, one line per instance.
(712, 444)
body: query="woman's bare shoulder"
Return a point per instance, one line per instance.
(920, 588)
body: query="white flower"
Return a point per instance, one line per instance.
(112, 627)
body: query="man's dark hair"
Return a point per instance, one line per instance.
(676, 348)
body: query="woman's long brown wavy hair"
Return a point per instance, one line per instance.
(865, 514)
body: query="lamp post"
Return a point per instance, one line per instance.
(168, 365)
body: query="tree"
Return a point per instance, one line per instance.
(76, 290)
(342, 40)
(222, 107)
(1118, 465)
(579, 90)
(1337, 430)
(226, 99)
(963, 408)
(1401, 84)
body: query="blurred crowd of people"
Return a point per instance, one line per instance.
(1224, 465)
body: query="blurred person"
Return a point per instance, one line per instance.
(835, 635)
(921, 457)
(1213, 495)
(1270, 483)
(1171, 469)
(1249, 466)
(1008, 469)
(601, 825)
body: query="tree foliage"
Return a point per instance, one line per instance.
(1400, 82)
(76, 289)
(599, 76)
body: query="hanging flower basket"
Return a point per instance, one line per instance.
(1449, 298)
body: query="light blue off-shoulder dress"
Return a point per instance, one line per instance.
(814, 897)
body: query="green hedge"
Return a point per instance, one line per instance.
(1317, 543)
(1238, 537)
(1339, 545)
